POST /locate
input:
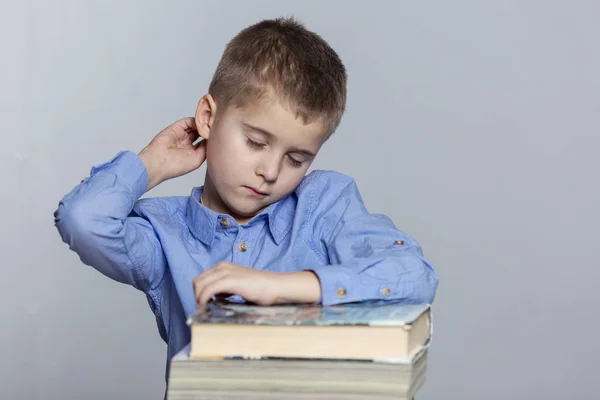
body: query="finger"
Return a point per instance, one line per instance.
(182, 127)
(200, 282)
(193, 136)
(187, 124)
(218, 268)
(224, 285)
(205, 280)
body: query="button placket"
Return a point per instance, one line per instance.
(241, 247)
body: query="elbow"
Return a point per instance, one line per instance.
(96, 237)
(428, 292)
(428, 284)
(73, 223)
(424, 283)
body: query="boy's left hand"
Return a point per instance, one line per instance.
(260, 287)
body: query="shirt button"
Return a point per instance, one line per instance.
(224, 222)
(341, 293)
(386, 291)
(243, 247)
(398, 242)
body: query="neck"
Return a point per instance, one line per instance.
(211, 199)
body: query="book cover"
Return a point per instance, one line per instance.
(370, 313)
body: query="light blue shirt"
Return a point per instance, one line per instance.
(159, 245)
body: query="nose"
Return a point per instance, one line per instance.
(268, 167)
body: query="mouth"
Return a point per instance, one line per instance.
(255, 192)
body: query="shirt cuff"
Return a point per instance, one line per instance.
(337, 285)
(130, 171)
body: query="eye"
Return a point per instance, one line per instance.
(295, 163)
(253, 144)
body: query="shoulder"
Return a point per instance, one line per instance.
(329, 194)
(325, 183)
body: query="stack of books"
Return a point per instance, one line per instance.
(370, 351)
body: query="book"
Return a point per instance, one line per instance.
(375, 330)
(294, 379)
(360, 351)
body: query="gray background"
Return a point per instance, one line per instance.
(473, 124)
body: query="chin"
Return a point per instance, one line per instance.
(243, 209)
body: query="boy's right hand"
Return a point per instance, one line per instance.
(171, 152)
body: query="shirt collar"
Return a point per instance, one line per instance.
(203, 221)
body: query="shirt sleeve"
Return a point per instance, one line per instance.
(97, 221)
(369, 258)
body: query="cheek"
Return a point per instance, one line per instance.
(224, 146)
(230, 159)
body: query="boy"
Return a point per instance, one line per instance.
(258, 228)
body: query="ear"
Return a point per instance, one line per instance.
(205, 115)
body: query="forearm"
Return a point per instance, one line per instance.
(299, 287)
(386, 276)
(154, 164)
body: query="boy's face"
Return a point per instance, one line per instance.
(255, 155)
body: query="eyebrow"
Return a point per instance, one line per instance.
(269, 134)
